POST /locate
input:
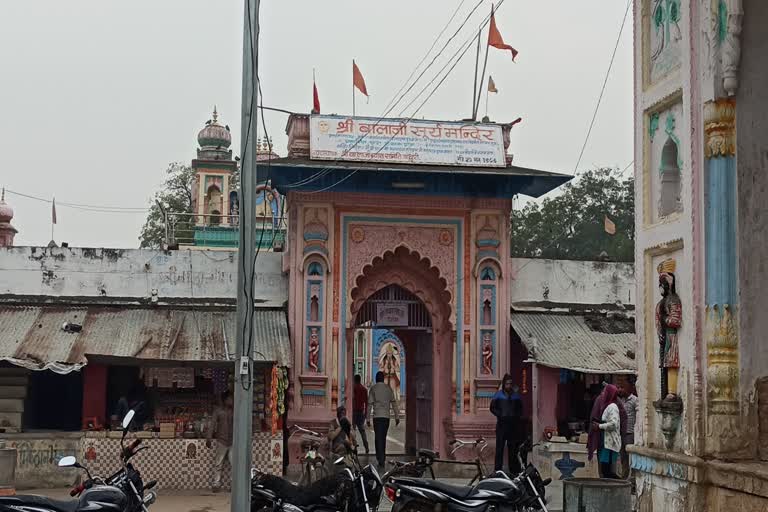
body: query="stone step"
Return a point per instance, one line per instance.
(11, 405)
(13, 392)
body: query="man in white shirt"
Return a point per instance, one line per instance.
(380, 400)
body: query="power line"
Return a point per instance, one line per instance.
(326, 170)
(84, 207)
(602, 89)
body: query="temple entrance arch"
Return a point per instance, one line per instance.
(404, 293)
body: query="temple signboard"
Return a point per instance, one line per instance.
(401, 141)
(392, 314)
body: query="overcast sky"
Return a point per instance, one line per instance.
(97, 97)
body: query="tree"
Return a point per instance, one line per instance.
(174, 197)
(571, 225)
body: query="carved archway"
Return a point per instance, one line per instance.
(411, 272)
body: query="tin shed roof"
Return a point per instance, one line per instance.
(583, 343)
(35, 337)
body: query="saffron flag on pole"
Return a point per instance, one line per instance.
(492, 85)
(610, 227)
(315, 99)
(358, 80)
(53, 211)
(495, 39)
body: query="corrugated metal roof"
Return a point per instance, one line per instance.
(566, 341)
(33, 337)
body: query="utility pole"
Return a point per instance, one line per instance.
(246, 260)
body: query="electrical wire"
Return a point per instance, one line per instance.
(455, 12)
(602, 89)
(326, 170)
(84, 207)
(460, 54)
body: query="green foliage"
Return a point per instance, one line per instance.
(571, 225)
(174, 197)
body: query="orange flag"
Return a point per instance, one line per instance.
(610, 227)
(495, 39)
(358, 80)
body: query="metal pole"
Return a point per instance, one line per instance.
(353, 87)
(246, 256)
(482, 77)
(477, 63)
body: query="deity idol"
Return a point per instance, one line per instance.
(314, 350)
(487, 354)
(669, 316)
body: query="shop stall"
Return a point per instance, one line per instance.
(172, 369)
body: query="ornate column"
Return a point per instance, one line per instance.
(724, 432)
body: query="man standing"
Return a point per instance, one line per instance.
(360, 410)
(222, 431)
(507, 406)
(381, 399)
(629, 400)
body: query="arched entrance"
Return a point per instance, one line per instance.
(403, 292)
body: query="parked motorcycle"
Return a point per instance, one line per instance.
(498, 493)
(124, 491)
(351, 489)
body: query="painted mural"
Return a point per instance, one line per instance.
(380, 350)
(665, 38)
(665, 167)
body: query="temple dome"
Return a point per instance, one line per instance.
(6, 212)
(214, 135)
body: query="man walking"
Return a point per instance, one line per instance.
(222, 431)
(629, 400)
(507, 406)
(360, 410)
(381, 399)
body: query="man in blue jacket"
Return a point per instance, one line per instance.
(507, 406)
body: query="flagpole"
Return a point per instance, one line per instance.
(477, 64)
(353, 87)
(487, 93)
(482, 75)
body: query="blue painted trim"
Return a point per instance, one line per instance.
(313, 392)
(720, 231)
(315, 248)
(488, 243)
(459, 224)
(320, 299)
(484, 287)
(487, 254)
(380, 336)
(484, 394)
(315, 236)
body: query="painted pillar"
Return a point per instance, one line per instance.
(721, 277)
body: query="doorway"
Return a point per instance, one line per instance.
(393, 334)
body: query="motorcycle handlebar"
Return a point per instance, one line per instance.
(77, 490)
(130, 450)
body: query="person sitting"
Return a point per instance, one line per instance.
(342, 442)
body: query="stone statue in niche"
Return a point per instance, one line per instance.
(314, 350)
(669, 313)
(487, 354)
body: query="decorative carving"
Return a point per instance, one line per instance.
(723, 360)
(669, 311)
(665, 38)
(487, 354)
(653, 124)
(671, 411)
(446, 238)
(314, 349)
(720, 128)
(721, 26)
(381, 238)
(316, 228)
(731, 44)
(357, 235)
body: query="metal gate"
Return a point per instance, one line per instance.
(417, 315)
(423, 365)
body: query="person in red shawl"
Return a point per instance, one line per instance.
(605, 432)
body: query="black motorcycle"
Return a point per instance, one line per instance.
(350, 489)
(498, 493)
(124, 491)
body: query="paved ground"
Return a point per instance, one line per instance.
(204, 501)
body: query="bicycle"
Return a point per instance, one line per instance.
(415, 468)
(479, 445)
(312, 462)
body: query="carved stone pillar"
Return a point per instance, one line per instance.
(725, 430)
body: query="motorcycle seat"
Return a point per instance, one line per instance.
(455, 491)
(31, 501)
(429, 454)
